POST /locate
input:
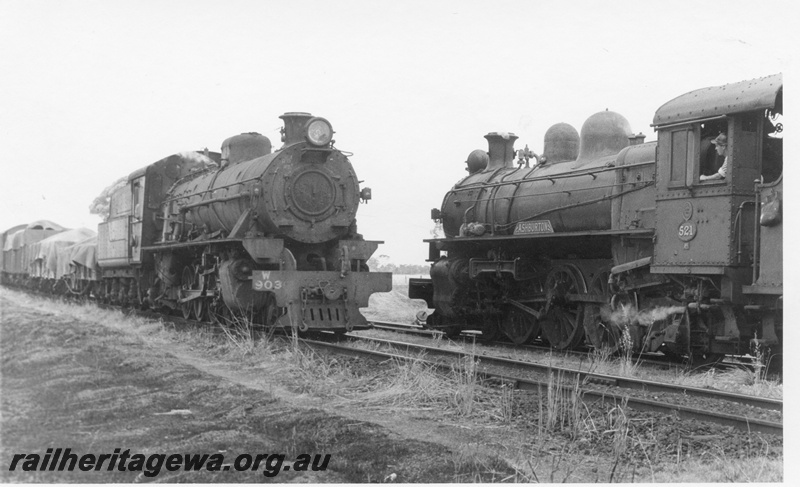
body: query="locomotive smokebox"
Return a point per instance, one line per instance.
(604, 134)
(244, 147)
(561, 143)
(501, 149)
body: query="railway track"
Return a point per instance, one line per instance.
(594, 387)
(639, 394)
(416, 330)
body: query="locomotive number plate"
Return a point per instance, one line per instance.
(538, 226)
(262, 282)
(687, 231)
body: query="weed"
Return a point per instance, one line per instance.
(619, 427)
(760, 364)
(564, 405)
(506, 402)
(437, 339)
(466, 381)
(470, 464)
(627, 367)
(239, 332)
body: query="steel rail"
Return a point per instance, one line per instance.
(639, 404)
(597, 378)
(419, 331)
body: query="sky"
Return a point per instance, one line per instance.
(92, 90)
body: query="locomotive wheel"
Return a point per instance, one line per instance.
(199, 306)
(563, 328)
(187, 280)
(156, 290)
(199, 309)
(141, 296)
(520, 327)
(563, 324)
(601, 334)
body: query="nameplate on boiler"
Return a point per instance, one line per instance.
(534, 227)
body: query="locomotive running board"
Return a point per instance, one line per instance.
(639, 232)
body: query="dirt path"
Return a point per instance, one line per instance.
(94, 387)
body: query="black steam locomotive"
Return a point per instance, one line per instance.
(266, 235)
(609, 241)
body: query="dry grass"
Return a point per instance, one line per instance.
(565, 423)
(720, 468)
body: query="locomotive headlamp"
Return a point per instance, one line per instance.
(319, 131)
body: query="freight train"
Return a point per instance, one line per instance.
(248, 232)
(606, 241)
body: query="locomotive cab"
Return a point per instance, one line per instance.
(709, 219)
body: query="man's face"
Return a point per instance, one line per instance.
(721, 149)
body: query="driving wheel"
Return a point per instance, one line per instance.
(563, 323)
(187, 280)
(602, 334)
(199, 305)
(519, 326)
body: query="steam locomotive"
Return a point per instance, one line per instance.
(613, 243)
(247, 232)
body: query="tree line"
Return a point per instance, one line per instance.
(382, 264)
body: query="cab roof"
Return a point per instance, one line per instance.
(744, 96)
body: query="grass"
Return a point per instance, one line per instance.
(565, 433)
(719, 467)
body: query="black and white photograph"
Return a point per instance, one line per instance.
(411, 242)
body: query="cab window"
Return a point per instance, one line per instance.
(710, 160)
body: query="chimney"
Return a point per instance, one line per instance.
(501, 150)
(294, 123)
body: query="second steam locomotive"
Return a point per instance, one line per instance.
(613, 242)
(267, 236)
